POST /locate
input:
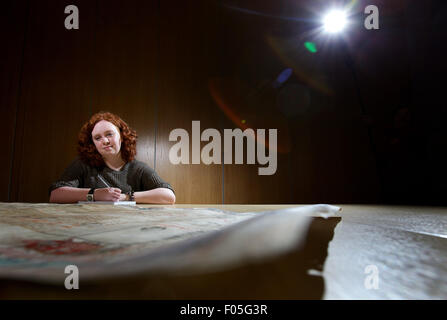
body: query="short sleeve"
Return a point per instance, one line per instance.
(71, 177)
(150, 179)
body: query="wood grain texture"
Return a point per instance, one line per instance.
(189, 51)
(251, 103)
(159, 67)
(54, 100)
(13, 25)
(125, 68)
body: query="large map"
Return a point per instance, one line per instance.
(37, 241)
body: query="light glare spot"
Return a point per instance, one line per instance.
(334, 21)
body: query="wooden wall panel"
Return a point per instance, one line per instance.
(55, 97)
(242, 182)
(13, 24)
(189, 58)
(125, 68)
(156, 65)
(253, 66)
(333, 162)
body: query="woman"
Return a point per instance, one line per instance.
(106, 169)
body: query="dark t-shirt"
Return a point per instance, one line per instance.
(134, 175)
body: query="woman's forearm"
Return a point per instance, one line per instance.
(73, 195)
(158, 195)
(68, 195)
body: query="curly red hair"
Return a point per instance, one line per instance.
(86, 147)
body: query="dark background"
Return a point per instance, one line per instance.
(359, 121)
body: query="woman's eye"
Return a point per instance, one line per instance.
(110, 134)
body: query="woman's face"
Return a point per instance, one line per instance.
(107, 139)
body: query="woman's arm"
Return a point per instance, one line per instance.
(157, 195)
(73, 195)
(68, 195)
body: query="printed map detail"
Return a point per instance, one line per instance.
(34, 237)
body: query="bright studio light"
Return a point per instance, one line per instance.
(334, 21)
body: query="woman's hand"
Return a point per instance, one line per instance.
(123, 197)
(107, 194)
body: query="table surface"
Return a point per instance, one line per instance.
(378, 252)
(406, 245)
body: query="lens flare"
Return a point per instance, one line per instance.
(310, 46)
(230, 101)
(334, 21)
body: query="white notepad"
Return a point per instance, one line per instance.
(115, 203)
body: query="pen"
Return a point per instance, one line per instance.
(99, 176)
